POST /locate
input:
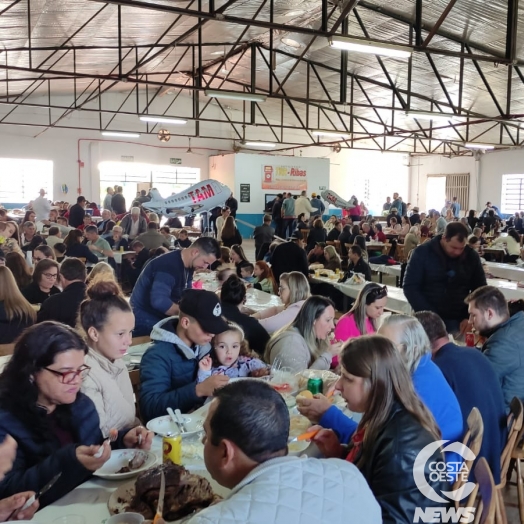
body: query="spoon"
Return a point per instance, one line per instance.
(305, 436)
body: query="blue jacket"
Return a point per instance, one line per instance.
(464, 369)
(160, 284)
(168, 372)
(438, 283)
(433, 390)
(39, 459)
(319, 206)
(505, 350)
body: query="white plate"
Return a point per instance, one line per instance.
(119, 459)
(122, 496)
(164, 425)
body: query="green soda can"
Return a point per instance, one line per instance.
(315, 385)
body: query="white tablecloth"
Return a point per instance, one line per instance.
(397, 301)
(119, 254)
(386, 270)
(509, 289)
(508, 271)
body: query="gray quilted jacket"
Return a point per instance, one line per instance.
(292, 490)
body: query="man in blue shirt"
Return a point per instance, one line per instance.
(465, 369)
(160, 285)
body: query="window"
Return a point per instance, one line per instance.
(512, 198)
(22, 179)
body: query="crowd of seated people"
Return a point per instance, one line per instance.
(71, 325)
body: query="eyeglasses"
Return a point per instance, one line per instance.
(50, 275)
(67, 377)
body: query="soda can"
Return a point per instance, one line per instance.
(470, 339)
(315, 385)
(172, 448)
(121, 249)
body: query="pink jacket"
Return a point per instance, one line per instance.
(346, 328)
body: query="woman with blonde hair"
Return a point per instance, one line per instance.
(230, 235)
(333, 261)
(101, 271)
(394, 429)
(16, 313)
(411, 241)
(294, 291)
(304, 344)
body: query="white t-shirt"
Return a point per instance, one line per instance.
(41, 207)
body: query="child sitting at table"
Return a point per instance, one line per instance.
(183, 240)
(264, 278)
(246, 272)
(231, 356)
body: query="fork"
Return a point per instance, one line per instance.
(113, 435)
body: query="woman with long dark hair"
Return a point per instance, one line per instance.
(75, 248)
(55, 426)
(394, 429)
(238, 257)
(230, 234)
(19, 268)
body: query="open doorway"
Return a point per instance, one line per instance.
(133, 177)
(435, 192)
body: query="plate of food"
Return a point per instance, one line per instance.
(186, 493)
(164, 425)
(298, 424)
(126, 463)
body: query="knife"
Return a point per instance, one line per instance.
(46, 488)
(180, 419)
(175, 420)
(160, 506)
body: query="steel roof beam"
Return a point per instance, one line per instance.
(438, 23)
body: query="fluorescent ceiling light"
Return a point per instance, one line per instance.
(474, 145)
(269, 145)
(235, 95)
(218, 53)
(122, 134)
(335, 134)
(428, 115)
(362, 46)
(163, 120)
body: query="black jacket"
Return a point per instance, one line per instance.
(344, 238)
(361, 267)
(287, 257)
(255, 334)
(276, 212)
(34, 295)
(414, 219)
(76, 215)
(64, 306)
(10, 329)
(81, 251)
(118, 203)
(231, 241)
(389, 468)
(333, 235)
(438, 283)
(316, 234)
(263, 234)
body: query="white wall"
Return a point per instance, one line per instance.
(492, 166)
(222, 168)
(423, 166)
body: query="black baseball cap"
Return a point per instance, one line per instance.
(205, 308)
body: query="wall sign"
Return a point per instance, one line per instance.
(176, 161)
(284, 177)
(245, 192)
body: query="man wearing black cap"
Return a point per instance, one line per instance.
(289, 256)
(169, 368)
